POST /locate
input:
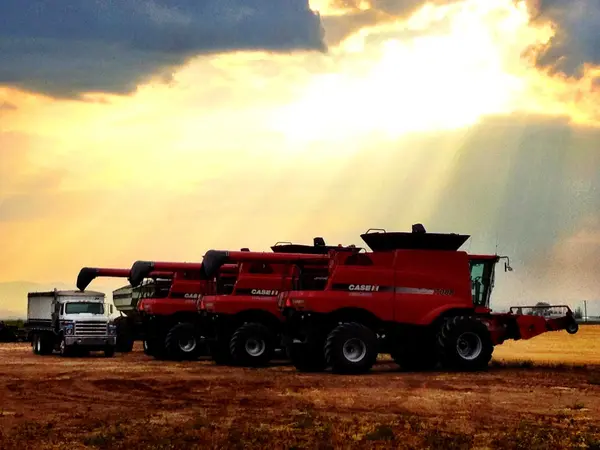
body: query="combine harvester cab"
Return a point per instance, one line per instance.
(168, 313)
(244, 326)
(416, 297)
(125, 300)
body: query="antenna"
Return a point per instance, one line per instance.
(496, 241)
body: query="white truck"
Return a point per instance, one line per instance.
(70, 322)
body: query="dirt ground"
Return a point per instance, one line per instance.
(541, 394)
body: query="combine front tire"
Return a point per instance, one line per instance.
(573, 327)
(252, 345)
(351, 348)
(182, 342)
(465, 344)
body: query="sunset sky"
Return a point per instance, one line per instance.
(155, 129)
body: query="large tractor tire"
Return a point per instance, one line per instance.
(252, 345)
(464, 343)
(182, 342)
(351, 348)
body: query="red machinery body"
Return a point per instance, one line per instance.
(416, 290)
(249, 314)
(128, 325)
(168, 311)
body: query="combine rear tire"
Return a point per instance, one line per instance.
(182, 342)
(252, 345)
(351, 348)
(465, 344)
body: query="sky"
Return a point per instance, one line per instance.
(159, 129)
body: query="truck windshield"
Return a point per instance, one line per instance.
(84, 308)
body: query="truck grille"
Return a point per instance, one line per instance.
(90, 329)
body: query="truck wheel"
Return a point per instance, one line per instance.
(36, 346)
(307, 357)
(46, 344)
(64, 349)
(351, 348)
(252, 345)
(465, 343)
(109, 352)
(182, 342)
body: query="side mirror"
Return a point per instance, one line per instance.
(507, 267)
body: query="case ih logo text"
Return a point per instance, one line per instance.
(264, 292)
(190, 296)
(363, 287)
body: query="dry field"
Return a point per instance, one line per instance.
(541, 394)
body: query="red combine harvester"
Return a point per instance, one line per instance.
(168, 312)
(243, 327)
(416, 297)
(128, 325)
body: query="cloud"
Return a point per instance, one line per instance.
(113, 45)
(575, 24)
(576, 38)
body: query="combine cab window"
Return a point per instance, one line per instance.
(482, 281)
(310, 279)
(158, 289)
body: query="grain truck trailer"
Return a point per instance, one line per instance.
(70, 322)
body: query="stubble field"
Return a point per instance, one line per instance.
(543, 393)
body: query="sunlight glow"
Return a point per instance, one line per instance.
(433, 81)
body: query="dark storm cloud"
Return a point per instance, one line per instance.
(576, 22)
(68, 47)
(577, 37)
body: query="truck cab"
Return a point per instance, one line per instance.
(70, 322)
